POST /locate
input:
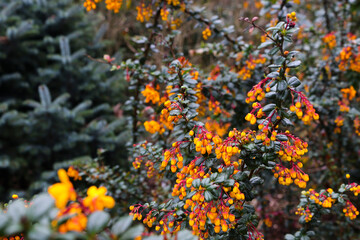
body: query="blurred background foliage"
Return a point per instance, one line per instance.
(56, 104)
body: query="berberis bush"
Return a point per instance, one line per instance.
(237, 132)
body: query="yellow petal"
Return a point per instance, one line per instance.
(60, 193)
(92, 191)
(102, 190)
(63, 176)
(109, 202)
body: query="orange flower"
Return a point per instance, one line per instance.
(97, 200)
(62, 192)
(151, 94)
(72, 172)
(153, 127)
(76, 223)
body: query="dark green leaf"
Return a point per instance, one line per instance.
(269, 107)
(121, 225)
(294, 64)
(97, 221)
(265, 44)
(281, 85)
(208, 196)
(196, 183)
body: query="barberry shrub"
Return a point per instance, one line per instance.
(231, 143)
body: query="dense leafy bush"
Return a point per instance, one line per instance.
(248, 131)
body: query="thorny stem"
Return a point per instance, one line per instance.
(208, 23)
(139, 82)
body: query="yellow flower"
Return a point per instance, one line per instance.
(151, 94)
(76, 223)
(206, 33)
(97, 200)
(62, 192)
(113, 5)
(72, 172)
(153, 127)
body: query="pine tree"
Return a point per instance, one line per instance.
(55, 103)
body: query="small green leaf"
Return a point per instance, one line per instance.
(274, 66)
(190, 81)
(273, 75)
(40, 206)
(196, 183)
(281, 137)
(294, 64)
(132, 232)
(213, 176)
(121, 225)
(292, 30)
(273, 51)
(16, 211)
(269, 107)
(256, 180)
(229, 183)
(205, 182)
(265, 44)
(97, 221)
(282, 85)
(270, 95)
(208, 196)
(3, 221)
(289, 237)
(294, 82)
(174, 112)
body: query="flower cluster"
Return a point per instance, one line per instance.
(165, 113)
(144, 13)
(64, 191)
(305, 212)
(150, 94)
(354, 187)
(323, 199)
(76, 223)
(257, 92)
(217, 127)
(357, 125)
(73, 173)
(291, 152)
(174, 156)
(71, 206)
(153, 127)
(249, 66)
(339, 121)
(230, 146)
(206, 33)
(96, 199)
(173, 2)
(348, 94)
(164, 13)
(288, 176)
(291, 16)
(13, 238)
(349, 60)
(350, 210)
(146, 157)
(202, 212)
(330, 40)
(309, 114)
(112, 5)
